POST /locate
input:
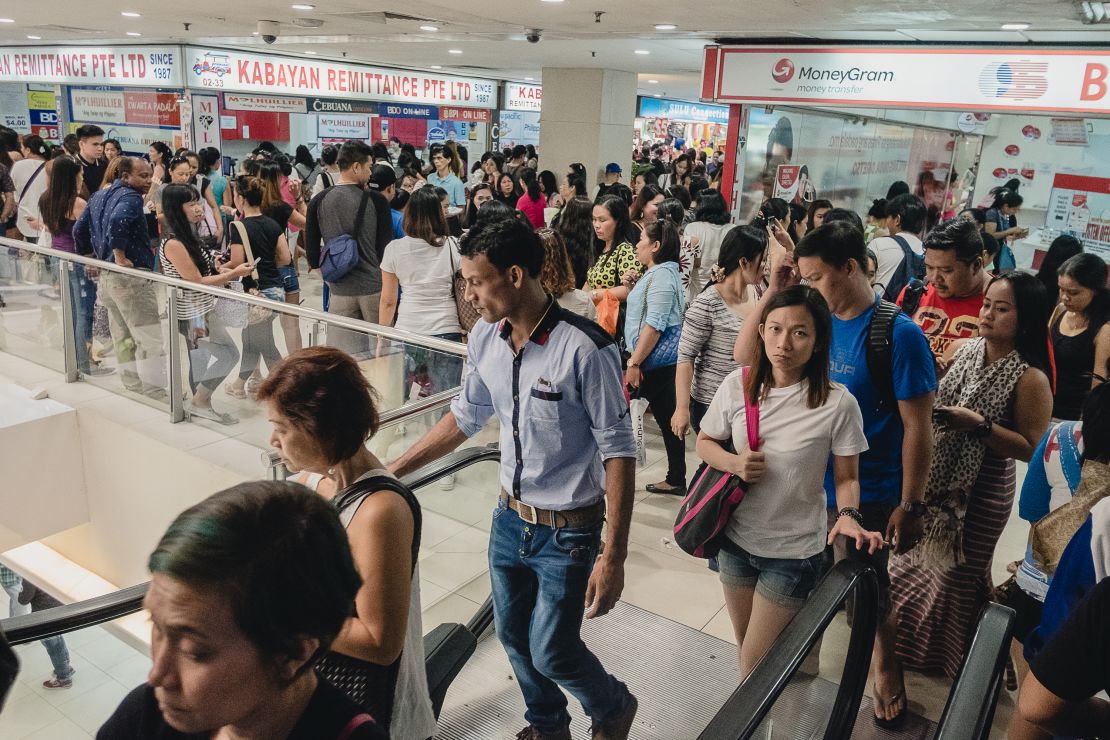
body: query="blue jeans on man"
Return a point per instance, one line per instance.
(539, 578)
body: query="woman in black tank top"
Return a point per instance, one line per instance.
(1080, 334)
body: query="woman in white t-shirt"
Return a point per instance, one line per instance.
(417, 274)
(771, 558)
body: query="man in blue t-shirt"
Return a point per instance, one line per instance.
(833, 259)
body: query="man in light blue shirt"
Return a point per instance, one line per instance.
(443, 176)
(554, 381)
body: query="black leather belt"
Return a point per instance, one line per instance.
(581, 517)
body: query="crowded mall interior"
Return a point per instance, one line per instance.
(544, 370)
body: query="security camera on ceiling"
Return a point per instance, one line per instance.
(533, 36)
(269, 31)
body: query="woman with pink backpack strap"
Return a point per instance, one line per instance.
(770, 551)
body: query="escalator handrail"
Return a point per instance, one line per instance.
(969, 711)
(71, 617)
(90, 612)
(746, 709)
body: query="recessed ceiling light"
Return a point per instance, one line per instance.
(656, 95)
(133, 33)
(643, 52)
(437, 66)
(1020, 26)
(665, 26)
(311, 52)
(551, 1)
(35, 38)
(653, 82)
(529, 79)
(7, 20)
(454, 51)
(130, 14)
(429, 28)
(303, 6)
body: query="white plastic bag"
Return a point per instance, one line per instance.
(638, 407)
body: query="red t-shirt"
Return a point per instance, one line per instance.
(947, 322)
(533, 209)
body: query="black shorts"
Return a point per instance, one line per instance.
(1027, 607)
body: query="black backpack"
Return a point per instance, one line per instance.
(912, 266)
(880, 352)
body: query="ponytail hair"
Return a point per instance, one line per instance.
(740, 243)
(666, 233)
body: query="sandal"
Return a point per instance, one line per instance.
(896, 722)
(663, 488)
(235, 392)
(253, 384)
(207, 412)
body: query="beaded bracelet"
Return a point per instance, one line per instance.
(851, 512)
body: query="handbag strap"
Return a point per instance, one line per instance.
(242, 229)
(356, 722)
(27, 185)
(751, 412)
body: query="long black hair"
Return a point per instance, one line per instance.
(530, 182)
(1031, 304)
(178, 226)
(740, 243)
(1089, 270)
(618, 211)
(56, 202)
(816, 370)
(1063, 248)
(548, 183)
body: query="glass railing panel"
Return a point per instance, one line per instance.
(105, 667)
(31, 314)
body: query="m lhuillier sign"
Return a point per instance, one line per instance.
(1031, 79)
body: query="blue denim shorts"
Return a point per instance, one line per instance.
(289, 279)
(783, 581)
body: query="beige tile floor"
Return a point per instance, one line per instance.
(659, 577)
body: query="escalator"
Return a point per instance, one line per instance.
(686, 680)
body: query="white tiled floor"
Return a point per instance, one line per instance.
(659, 577)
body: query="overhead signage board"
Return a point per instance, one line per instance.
(138, 108)
(680, 110)
(1049, 80)
(476, 115)
(141, 66)
(408, 111)
(343, 126)
(268, 103)
(338, 105)
(238, 71)
(523, 97)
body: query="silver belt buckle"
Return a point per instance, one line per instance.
(521, 506)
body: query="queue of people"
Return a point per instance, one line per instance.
(910, 371)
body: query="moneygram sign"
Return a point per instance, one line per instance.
(1042, 80)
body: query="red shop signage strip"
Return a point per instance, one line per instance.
(152, 109)
(477, 115)
(1082, 183)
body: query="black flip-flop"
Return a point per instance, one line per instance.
(899, 719)
(674, 491)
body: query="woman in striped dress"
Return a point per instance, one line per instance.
(993, 406)
(711, 324)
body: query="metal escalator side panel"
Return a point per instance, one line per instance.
(750, 703)
(447, 648)
(969, 711)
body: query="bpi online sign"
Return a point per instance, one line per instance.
(979, 79)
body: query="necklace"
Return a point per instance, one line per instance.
(1075, 321)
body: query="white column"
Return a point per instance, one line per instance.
(587, 116)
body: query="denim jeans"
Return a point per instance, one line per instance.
(82, 293)
(59, 656)
(539, 580)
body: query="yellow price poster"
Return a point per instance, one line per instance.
(41, 100)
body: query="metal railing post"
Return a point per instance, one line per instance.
(177, 406)
(69, 320)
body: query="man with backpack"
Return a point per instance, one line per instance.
(113, 228)
(900, 256)
(341, 240)
(947, 309)
(884, 360)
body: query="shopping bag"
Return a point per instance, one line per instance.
(608, 313)
(638, 407)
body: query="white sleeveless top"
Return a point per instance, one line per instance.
(412, 718)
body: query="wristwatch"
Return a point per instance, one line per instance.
(913, 508)
(983, 430)
(632, 364)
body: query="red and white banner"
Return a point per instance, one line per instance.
(1050, 80)
(269, 103)
(237, 71)
(152, 109)
(99, 106)
(143, 66)
(523, 97)
(476, 115)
